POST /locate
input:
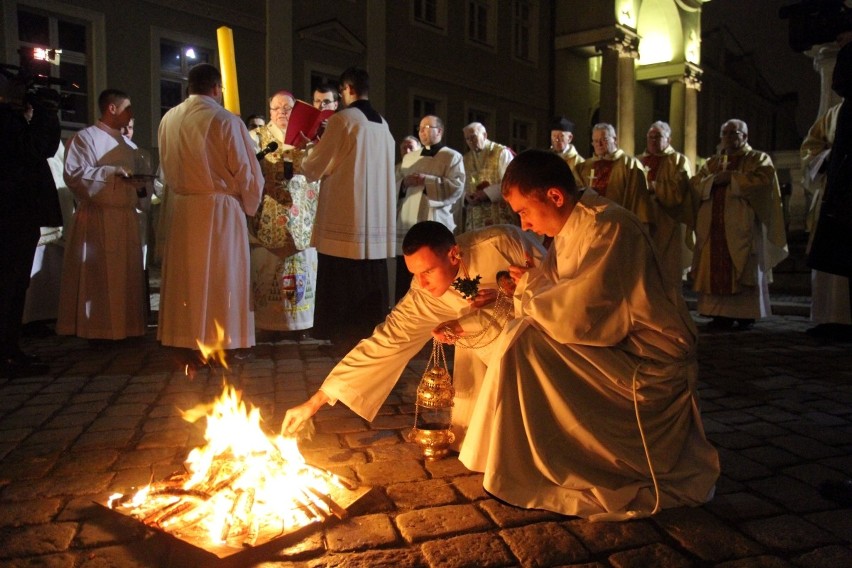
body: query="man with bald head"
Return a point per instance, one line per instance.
(739, 231)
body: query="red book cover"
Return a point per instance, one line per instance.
(304, 119)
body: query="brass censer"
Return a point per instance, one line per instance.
(433, 409)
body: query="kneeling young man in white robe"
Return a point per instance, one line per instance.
(589, 405)
(367, 374)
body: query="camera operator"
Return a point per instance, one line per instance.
(29, 201)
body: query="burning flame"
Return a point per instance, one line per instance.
(217, 350)
(240, 483)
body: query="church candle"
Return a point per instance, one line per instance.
(228, 65)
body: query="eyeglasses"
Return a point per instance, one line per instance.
(284, 109)
(732, 133)
(600, 141)
(427, 127)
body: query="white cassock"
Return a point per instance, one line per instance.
(365, 377)
(598, 332)
(214, 181)
(103, 291)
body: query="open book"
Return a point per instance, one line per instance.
(304, 119)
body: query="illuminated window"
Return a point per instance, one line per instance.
(176, 58)
(43, 30)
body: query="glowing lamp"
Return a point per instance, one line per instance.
(49, 55)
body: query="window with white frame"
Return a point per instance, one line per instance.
(482, 22)
(176, 58)
(525, 30)
(66, 67)
(523, 134)
(430, 13)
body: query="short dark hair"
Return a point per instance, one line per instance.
(327, 88)
(358, 78)
(533, 172)
(203, 78)
(430, 234)
(110, 96)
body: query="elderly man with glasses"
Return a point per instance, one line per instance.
(615, 175)
(739, 231)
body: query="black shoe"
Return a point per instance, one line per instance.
(838, 491)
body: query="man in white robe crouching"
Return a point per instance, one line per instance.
(588, 406)
(367, 374)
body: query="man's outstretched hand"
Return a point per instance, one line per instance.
(295, 417)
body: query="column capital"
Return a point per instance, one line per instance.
(624, 41)
(692, 76)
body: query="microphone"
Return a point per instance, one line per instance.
(271, 147)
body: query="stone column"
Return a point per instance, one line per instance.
(618, 84)
(824, 57)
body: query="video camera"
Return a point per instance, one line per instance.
(813, 22)
(36, 88)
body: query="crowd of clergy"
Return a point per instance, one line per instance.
(259, 228)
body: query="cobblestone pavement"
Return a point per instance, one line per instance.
(777, 404)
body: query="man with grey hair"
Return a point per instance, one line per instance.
(615, 175)
(484, 166)
(668, 173)
(739, 231)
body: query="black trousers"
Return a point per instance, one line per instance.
(18, 241)
(352, 298)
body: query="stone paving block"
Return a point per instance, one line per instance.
(803, 446)
(372, 438)
(763, 429)
(824, 419)
(126, 410)
(75, 462)
(835, 555)
(83, 483)
(482, 550)
(734, 440)
(54, 439)
(837, 522)
(764, 561)
(437, 522)
(739, 467)
(133, 555)
(14, 514)
(63, 560)
(386, 473)
(506, 516)
(361, 533)
(343, 426)
(421, 494)
(166, 439)
(770, 456)
(396, 558)
(320, 441)
(30, 416)
(604, 537)
(544, 544)
(334, 457)
(705, 536)
(104, 530)
(36, 539)
(146, 457)
(406, 451)
(788, 533)
(450, 466)
(729, 417)
(392, 422)
(470, 486)
(17, 467)
(14, 435)
(651, 555)
(795, 495)
(740, 506)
